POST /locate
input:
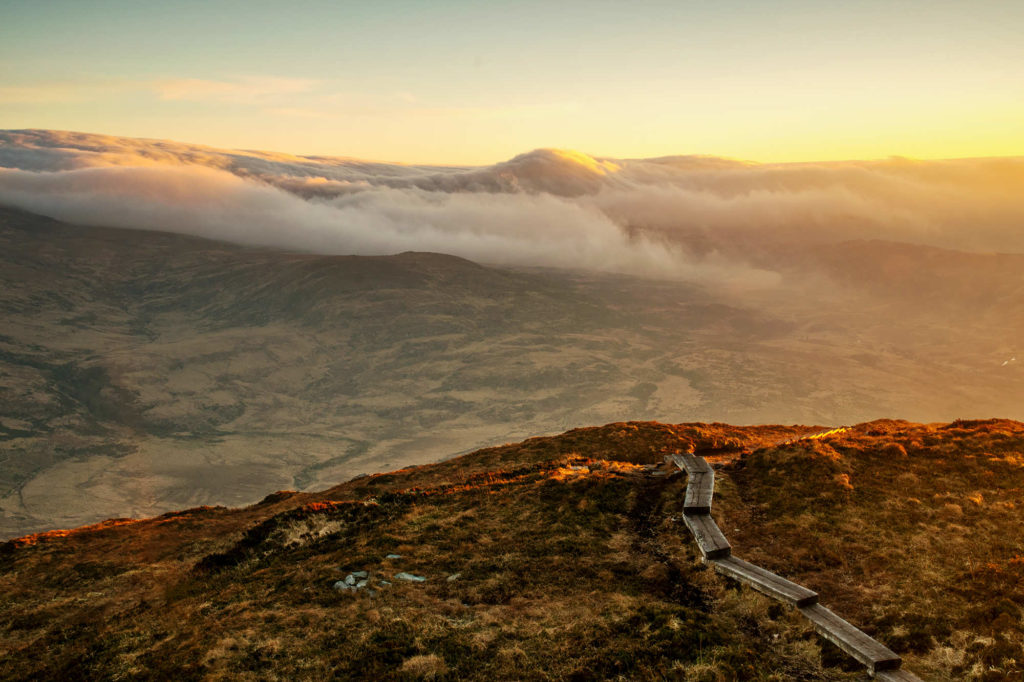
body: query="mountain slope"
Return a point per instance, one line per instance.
(142, 371)
(556, 557)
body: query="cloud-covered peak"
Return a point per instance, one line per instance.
(561, 157)
(688, 217)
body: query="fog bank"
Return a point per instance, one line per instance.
(546, 207)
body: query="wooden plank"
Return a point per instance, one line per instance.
(851, 640)
(710, 541)
(700, 487)
(696, 465)
(691, 464)
(897, 676)
(766, 582)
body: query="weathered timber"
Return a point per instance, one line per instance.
(882, 663)
(897, 676)
(700, 486)
(709, 537)
(773, 585)
(691, 464)
(851, 640)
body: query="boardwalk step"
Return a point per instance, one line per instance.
(765, 581)
(709, 537)
(699, 489)
(851, 640)
(691, 464)
(897, 676)
(881, 662)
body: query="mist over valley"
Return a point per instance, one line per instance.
(345, 331)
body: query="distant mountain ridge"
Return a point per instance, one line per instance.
(966, 204)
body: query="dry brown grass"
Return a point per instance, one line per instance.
(911, 531)
(569, 564)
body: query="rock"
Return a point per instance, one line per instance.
(453, 577)
(342, 585)
(361, 584)
(383, 582)
(350, 579)
(410, 577)
(393, 556)
(360, 574)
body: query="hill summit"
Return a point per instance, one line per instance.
(560, 557)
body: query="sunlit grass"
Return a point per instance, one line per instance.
(566, 562)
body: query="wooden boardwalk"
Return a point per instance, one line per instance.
(700, 485)
(710, 539)
(851, 640)
(897, 676)
(881, 662)
(766, 582)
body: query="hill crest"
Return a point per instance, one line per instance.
(556, 556)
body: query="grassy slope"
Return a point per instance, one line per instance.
(564, 572)
(912, 531)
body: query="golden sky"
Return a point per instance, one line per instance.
(474, 83)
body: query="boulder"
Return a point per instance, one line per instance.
(410, 577)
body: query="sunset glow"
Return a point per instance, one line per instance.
(460, 340)
(468, 83)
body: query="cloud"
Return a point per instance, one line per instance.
(299, 112)
(539, 229)
(677, 217)
(243, 89)
(61, 92)
(40, 94)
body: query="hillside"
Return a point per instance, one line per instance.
(142, 372)
(558, 557)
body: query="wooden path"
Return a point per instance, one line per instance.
(881, 662)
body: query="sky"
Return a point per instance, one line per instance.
(474, 83)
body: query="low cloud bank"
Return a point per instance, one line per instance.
(548, 207)
(492, 228)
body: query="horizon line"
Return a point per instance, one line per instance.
(705, 155)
